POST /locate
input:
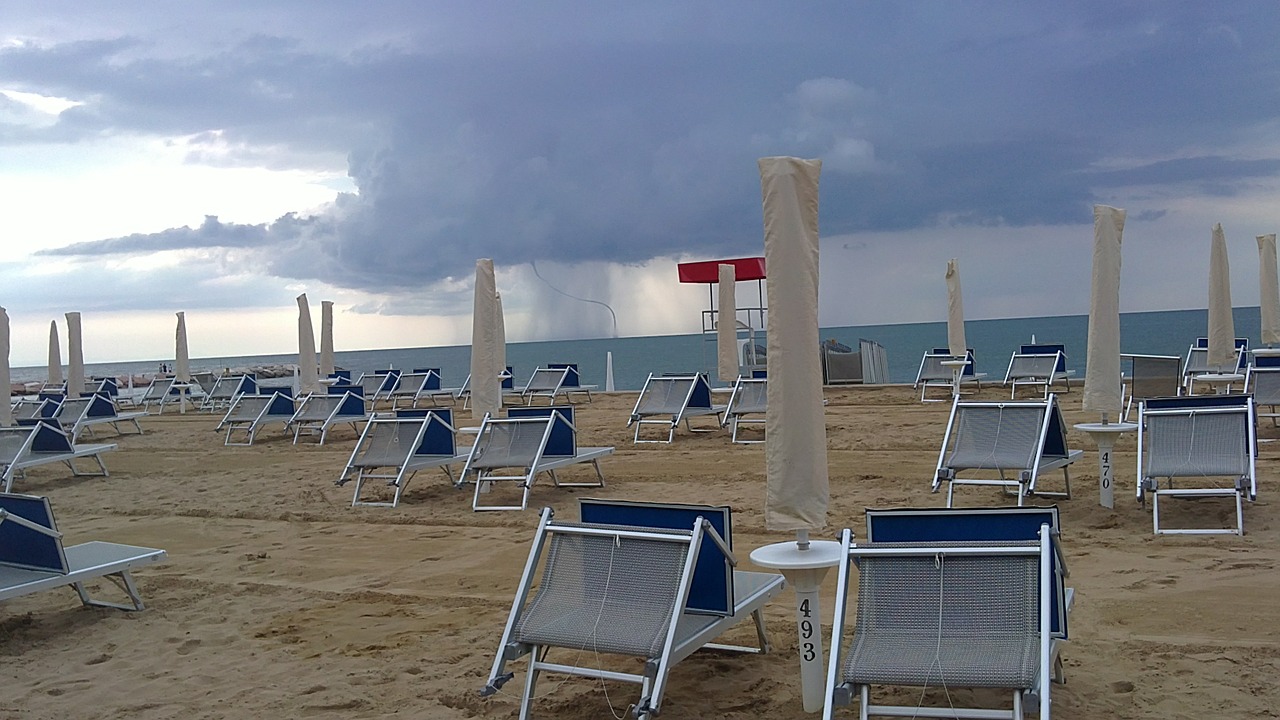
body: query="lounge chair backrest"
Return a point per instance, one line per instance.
(1155, 376)
(248, 407)
(1264, 384)
(562, 436)
(72, 409)
(605, 593)
(995, 436)
(750, 395)
(101, 406)
(432, 381)
(13, 442)
(711, 591)
(930, 525)
(23, 547)
(665, 395)
(510, 442)
(389, 441)
(545, 379)
(931, 367)
(1037, 366)
(48, 435)
(320, 407)
(571, 378)
(1047, 349)
(438, 437)
(1198, 435)
(926, 601)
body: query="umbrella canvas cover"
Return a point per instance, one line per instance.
(1102, 389)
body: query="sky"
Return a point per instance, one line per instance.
(220, 158)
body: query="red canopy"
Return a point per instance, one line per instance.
(708, 271)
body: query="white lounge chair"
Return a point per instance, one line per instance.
(250, 413)
(933, 374)
(41, 442)
(667, 400)
(633, 580)
(1038, 365)
(394, 447)
(412, 387)
(747, 406)
(32, 558)
(949, 603)
(159, 393)
(317, 413)
(80, 415)
(225, 391)
(523, 445)
(1016, 441)
(1197, 363)
(1207, 441)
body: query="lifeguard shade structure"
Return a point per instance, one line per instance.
(707, 272)
(486, 383)
(727, 325)
(181, 356)
(6, 410)
(55, 355)
(75, 356)
(1269, 289)
(955, 311)
(795, 430)
(308, 380)
(1222, 329)
(326, 338)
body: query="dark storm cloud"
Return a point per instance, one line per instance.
(572, 133)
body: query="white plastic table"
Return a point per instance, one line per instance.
(804, 570)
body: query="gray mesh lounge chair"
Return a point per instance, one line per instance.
(1040, 366)
(250, 413)
(656, 582)
(949, 614)
(159, 393)
(523, 445)
(1152, 376)
(1197, 363)
(394, 447)
(41, 442)
(32, 558)
(410, 387)
(79, 415)
(747, 406)
(225, 390)
(1206, 440)
(666, 400)
(318, 413)
(933, 374)
(1015, 441)
(1264, 384)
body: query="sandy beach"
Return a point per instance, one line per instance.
(279, 600)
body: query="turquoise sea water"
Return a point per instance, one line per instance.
(993, 341)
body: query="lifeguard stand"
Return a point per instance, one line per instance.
(750, 321)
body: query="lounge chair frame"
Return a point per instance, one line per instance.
(933, 374)
(250, 413)
(1037, 369)
(1205, 436)
(317, 413)
(747, 406)
(676, 626)
(394, 447)
(42, 441)
(521, 446)
(691, 392)
(1035, 442)
(891, 648)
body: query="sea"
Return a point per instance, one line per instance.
(634, 358)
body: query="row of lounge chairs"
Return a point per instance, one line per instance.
(945, 597)
(1036, 365)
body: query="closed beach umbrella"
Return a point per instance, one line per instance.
(75, 356)
(956, 343)
(6, 410)
(308, 381)
(181, 358)
(326, 337)
(1102, 389)
(486, 385)
(1222, 329)
(55, 355)
(1269, 300)
(727, 327)
(795, 427)
(500, 336)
